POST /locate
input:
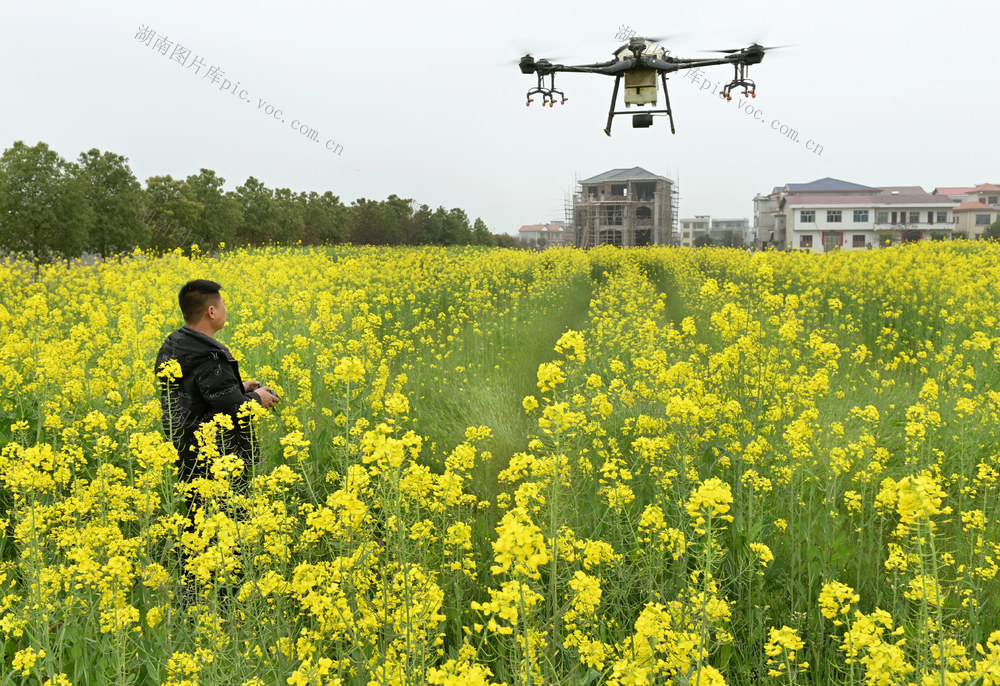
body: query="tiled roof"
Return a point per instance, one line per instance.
(906, 195)
(826, 184)
(987, 187)
(953, 190)
(623, 175)
(910, 195)
(969, 206)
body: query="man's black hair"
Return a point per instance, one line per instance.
(196, 296)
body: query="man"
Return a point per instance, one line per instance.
(209, 381)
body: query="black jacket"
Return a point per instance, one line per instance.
(210, 384)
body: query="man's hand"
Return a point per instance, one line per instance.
(267, 397)
(251, 385)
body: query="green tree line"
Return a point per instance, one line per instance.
(51, 208)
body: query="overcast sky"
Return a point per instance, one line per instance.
(426, 101)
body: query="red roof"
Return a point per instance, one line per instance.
(987, 187)
(953, 190)
(973, 206)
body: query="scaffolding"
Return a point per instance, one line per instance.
(626, 208)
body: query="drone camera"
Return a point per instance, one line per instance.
(527, 64)
(642, 121)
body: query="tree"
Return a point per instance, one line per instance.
(259, 213)
(702, 241)
(732, 239)
(325, 217)
(456, 228)
(992, 232)
(505, 240)
(170, 212)
(397, 220)
(116, 198)
(366, 224)
(44, 211)
(219, 217)
(290, 216)
(431, 226)
(481, 234)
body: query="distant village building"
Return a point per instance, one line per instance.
(549, 235)
(986, 193)
(956, 193)
(830, 214)
(728, 232)
(979, 206)
(770, 220)
(731, 232)
(625, 207)
(972, 218)
(693, 228)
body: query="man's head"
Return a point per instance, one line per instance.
(202, 304)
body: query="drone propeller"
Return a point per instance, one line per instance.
(659, 39)
(550, 60)
(731, 51)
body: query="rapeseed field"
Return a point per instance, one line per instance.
(651, 466)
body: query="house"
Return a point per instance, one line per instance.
(694, 228)
(856, 220)
(956, 193)
(732, 232)
(625, 207)
(972, 218)
(770, 229)
(986, 193)
(545, 235)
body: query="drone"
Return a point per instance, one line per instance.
(639, 61)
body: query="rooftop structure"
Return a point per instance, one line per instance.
(625, 207)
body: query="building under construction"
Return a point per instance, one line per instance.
(624, 207)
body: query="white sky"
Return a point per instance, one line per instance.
(418, 95)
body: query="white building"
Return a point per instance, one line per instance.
(770, 220)
(693, 228)
(545, 235)
(850, 221)
(732, 232)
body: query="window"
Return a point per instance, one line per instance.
(992, 200)
(914, 217)
(982, 219)
(942, 217)
(860, 215)
(687, 234)
(858, 240)
(882, 217)
(807, 216)
(806, 241)
(833, 216)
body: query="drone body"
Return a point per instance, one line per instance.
(639, 62)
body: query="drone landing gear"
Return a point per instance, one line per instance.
(548, 94)
(740, 80)
(644, 119)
